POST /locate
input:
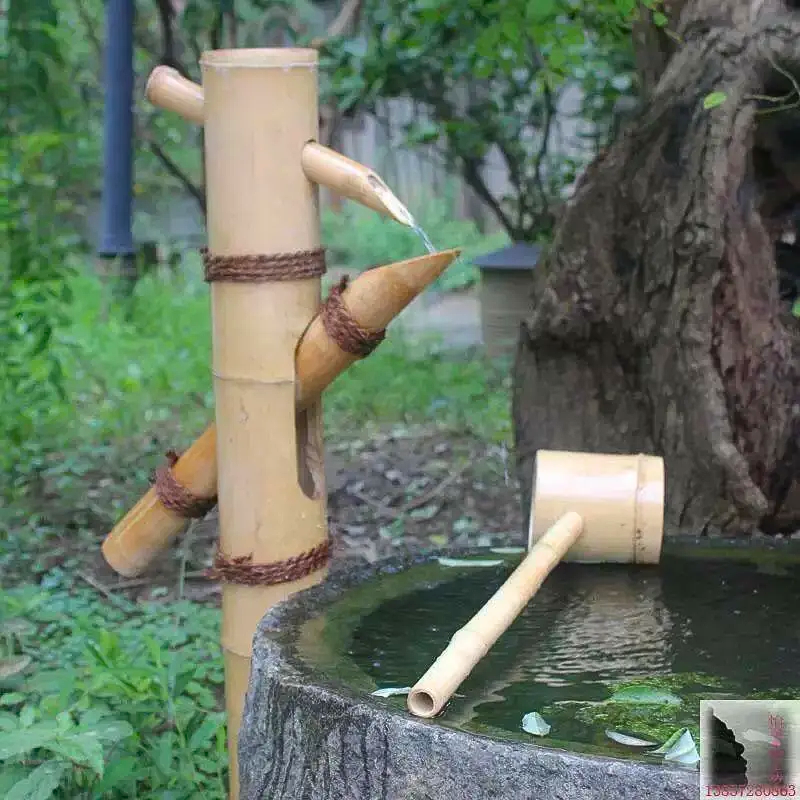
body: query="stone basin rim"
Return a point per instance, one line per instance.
(274, 644)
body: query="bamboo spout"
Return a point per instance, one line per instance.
(352, 180)
(167, 88)
(374, 299)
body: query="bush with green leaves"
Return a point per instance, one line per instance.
(35, 258)
(108, 699)
(490, 75)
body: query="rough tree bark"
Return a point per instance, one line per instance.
(656, 323)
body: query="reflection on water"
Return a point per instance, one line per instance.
(614, 625)
(591, 625)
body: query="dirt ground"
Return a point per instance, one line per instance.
(407, 489)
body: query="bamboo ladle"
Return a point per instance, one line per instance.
(585, 507)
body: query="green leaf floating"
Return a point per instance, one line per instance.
(507, 551)
(469, 562)
(641, 694)
(679, 748)
(391, 691)
(534, 723)
(630, 741)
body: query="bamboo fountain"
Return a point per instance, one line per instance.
(275, 347)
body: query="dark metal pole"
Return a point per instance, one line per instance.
(116, 238)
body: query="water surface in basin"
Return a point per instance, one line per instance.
(700, 627)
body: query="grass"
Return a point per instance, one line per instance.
(110, 699)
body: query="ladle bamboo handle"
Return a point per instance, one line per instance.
(471, 643)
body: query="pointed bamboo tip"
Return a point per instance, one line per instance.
(425, 269)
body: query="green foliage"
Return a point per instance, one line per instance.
(401, 382)
(490, 75)
(126, 374)
(34, 259)
(120, 700)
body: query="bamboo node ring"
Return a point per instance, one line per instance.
(298, 265)
(175, 496)
(242, 570)
(351, 337)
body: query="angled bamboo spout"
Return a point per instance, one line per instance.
(373, 299)
(167, 88)
(350, 179)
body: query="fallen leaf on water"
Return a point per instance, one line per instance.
(679, 748)
(631, 741)
(425, 512)
(535, 724)
(391, 691)
(469, 562)
(508, 551)
(714, 99)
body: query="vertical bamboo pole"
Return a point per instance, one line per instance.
(260, 110)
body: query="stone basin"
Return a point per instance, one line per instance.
(313, 730)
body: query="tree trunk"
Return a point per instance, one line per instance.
(656, 323)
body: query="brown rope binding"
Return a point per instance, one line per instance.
(175, 496)
(262, 268)
(343, 329)
(243, 571)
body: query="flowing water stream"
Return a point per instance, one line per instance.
(398, 209)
